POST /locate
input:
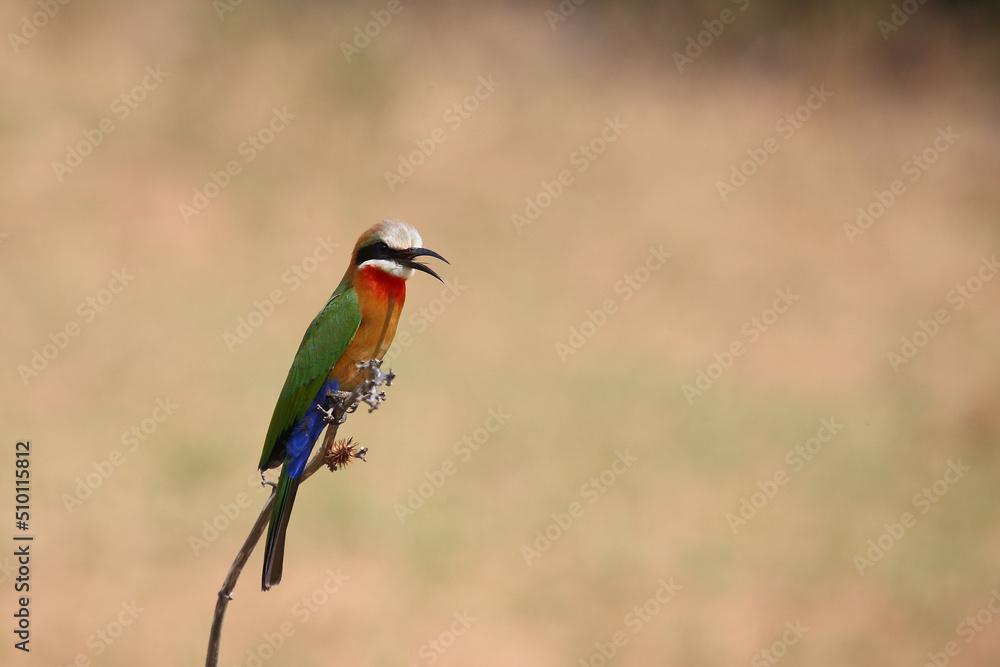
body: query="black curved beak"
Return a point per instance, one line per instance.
(406, 258)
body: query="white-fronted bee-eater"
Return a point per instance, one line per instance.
(357, 324)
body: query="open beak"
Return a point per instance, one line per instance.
(406, 258)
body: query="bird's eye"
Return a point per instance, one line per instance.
(372, 251)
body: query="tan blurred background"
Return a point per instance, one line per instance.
(534, 478)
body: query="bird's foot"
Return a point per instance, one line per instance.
(337, 405)
(329, 415)
(339, 402)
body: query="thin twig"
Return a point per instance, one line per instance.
(367, 392)
(226, 593)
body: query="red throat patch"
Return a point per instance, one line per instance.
(385, 285)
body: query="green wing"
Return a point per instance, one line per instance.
(324, 341)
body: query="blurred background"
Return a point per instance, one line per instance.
(713, 379)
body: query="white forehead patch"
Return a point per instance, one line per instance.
(399, 235)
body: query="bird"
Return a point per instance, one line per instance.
(357, 324)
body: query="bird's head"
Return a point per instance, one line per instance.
(393, 246)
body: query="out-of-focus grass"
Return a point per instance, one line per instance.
(494, 346)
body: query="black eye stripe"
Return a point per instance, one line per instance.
(377, 250)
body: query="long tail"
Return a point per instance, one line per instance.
(297, 443)
(274, 547)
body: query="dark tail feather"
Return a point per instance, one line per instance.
(274, 547)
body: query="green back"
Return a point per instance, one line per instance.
(324, 341)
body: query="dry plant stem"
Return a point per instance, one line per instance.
(367, 392)
(226, 594)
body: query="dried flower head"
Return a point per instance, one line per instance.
(342, 453)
